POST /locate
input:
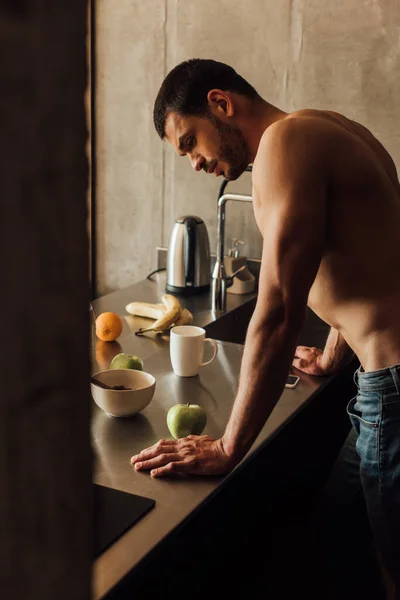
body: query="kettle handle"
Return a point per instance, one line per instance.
(189, 250)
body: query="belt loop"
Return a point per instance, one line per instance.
(355, 377)
(394, 371)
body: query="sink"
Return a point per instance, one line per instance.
(232, 326)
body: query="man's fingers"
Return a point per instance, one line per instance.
(302, 352)
(172, 468)
(299, 363)
(157, 461)
(191, 455)
(307, 366)
(164, 465)
(162, 447)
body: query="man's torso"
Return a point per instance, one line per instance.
(357, 287)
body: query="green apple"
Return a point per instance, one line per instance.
(126, 361)
(186, 419)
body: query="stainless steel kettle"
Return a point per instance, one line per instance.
(188, 261)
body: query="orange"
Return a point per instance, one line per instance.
(108, 326)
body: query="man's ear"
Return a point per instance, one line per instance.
(220, 103)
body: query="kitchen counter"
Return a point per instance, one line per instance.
(116, 440)
(151, 290)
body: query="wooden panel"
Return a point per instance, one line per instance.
(45, 454)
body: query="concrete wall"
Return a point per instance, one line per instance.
(341, 55)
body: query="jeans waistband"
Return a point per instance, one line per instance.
(382, 379)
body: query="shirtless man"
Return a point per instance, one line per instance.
(326, 199)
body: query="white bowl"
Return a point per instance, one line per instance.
(123, 403)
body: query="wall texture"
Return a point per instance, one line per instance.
(343, 56)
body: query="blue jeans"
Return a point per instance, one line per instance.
(345, 550)
(375, 415)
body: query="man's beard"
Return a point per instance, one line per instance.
(234, 149)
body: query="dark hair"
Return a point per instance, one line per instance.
(185, 89)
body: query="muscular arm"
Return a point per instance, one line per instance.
(289, 185)
(291, 214)
(336, 354)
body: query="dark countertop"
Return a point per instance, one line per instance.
(115, 441)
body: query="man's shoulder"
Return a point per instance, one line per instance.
(300, 124)
(300, 135)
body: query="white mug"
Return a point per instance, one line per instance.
(187, 348)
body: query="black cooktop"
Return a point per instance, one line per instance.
(114, 513)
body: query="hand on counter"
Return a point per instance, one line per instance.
(335, 355)
(308, 360)
(192, 455)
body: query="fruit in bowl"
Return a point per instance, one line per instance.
(122, 392)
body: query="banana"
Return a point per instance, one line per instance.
(145, 309)
(171, 303)
(172, 312)
(185, 318)
(166, 315)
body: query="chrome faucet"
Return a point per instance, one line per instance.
(220, 280)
